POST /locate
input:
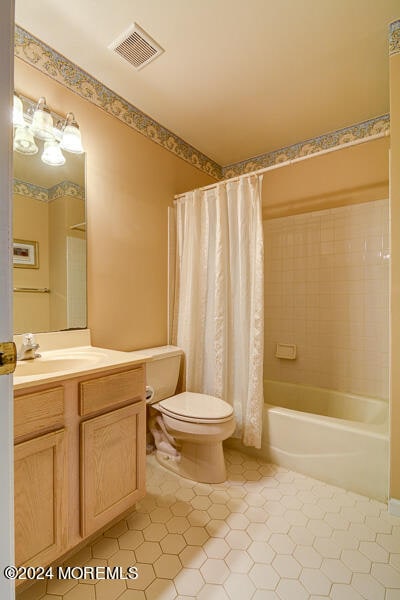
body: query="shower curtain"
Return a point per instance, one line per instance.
(219, 289)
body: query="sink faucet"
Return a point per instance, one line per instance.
(28, 348)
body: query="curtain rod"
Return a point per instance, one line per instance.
(286, 163)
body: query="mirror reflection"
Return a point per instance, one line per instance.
(49, 234)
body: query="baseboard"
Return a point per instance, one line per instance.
(394, 507)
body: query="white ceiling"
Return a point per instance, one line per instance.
(238, 77)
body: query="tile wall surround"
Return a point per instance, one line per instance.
(327, 291)
(33, 51)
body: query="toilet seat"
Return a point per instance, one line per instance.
(196, 408)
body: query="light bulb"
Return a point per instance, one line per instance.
(24, 142)
(52, 154)
(42, 121)
(71, 136)
(18, 112)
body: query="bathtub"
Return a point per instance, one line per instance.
(340, 438)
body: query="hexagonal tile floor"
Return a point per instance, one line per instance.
(265, 534)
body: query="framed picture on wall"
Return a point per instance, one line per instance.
(26, 254)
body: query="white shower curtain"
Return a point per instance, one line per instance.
(219, 303)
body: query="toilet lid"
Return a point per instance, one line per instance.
(197, 406)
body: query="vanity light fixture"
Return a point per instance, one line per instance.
(71, 136)
(18, 112)
(52, 154)
(37, 122)
(42, 121)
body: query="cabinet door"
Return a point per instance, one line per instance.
(39, 503)
(113, 454)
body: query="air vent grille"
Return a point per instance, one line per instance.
(136, 46)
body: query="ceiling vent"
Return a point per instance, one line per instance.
(136, 46)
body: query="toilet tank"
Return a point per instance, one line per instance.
(162, 371)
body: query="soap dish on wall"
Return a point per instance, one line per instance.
(287, 351)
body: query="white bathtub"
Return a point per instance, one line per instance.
(339, 438)
(336, 437)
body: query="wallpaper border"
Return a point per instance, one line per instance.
(50, 62)
(37, 192)
(394, 37)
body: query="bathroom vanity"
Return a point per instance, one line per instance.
(80, 448)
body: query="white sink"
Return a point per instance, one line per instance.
(60, 360)
(66, 362)
(53, 364)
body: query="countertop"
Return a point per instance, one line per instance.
(67, 363)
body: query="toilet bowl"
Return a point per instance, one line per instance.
(193, 426)
(199, 424)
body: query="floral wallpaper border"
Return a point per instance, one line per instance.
(364, 130)
(30, 190)
(66, 188)
(37, 192)
(394, 37)
(35, 52)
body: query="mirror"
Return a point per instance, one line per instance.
(49, 232)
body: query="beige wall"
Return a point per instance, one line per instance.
(395, 274)
(130, 183)
(31, 222)
(348, 176)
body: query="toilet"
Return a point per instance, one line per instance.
(190, 427)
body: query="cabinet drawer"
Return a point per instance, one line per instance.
(109, 391)
(38, 411)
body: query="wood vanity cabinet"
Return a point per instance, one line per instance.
(39, 477)
(113, 448)
(80, 453)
